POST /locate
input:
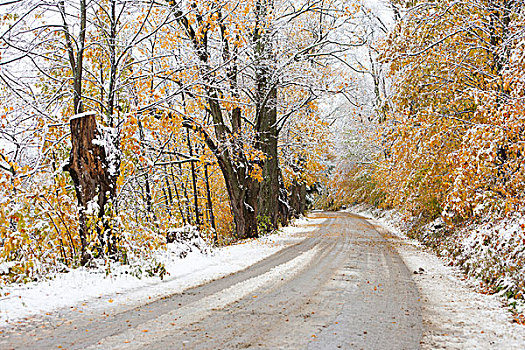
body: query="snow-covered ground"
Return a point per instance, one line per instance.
(455, 314)
(83, 288)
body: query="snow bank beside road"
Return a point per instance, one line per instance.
(90, 289)
(455, 316)
(492, 252)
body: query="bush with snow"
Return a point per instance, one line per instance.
(183, 240)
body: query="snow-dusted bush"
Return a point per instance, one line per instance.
(496, 254)
(183, 240)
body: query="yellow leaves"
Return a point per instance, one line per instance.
(256, 173)
(451, 121)
(313, 106)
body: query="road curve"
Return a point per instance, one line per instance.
(343, 287)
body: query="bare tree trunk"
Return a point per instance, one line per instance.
(186, 196)
(177, 194)
(208, 199)
(149, 197)
(193, 181)
(167, 200)
(266, 109)
(94, 183)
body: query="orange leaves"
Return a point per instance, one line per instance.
(40, 221)
(453, 144)
(255, 172)
(519, 319)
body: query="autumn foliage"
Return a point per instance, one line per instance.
(454, 132)
(450, 136)
(185, 97)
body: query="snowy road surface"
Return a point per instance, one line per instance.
(343, 286)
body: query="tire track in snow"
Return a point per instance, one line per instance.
(141, 335)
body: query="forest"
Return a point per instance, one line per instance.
(125, 120)
(125, 123)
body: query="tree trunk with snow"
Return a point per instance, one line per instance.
(244, 206)
(266, 118)
(242, 188)
(94, 178)
(268, 199)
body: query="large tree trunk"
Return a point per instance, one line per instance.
(242, 191)
(242, 188)
(94, 180)
(244, 212)
(193, 181)
(266, 119)
(211, 216)
(268, 202)
(297, 199)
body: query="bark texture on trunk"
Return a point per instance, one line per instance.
(297, 199)
(269, 207)
(242, 189)
(247, 203)
(95, 185)
(268, 202)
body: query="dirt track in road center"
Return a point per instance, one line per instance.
(343, 287)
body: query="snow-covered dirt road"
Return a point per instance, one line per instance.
(343, 286)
